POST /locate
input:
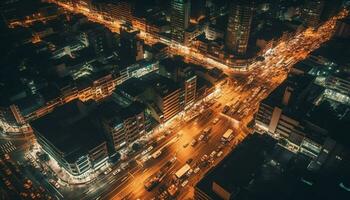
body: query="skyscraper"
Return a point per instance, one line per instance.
(131, 47)
(238, 27)
(180, 17)
(311, 13)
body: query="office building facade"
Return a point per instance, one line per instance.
(73, 139)
(311, 12)
(238, 27)
(130, 46)
(125, 126)
(180, 17)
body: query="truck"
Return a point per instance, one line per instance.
(182, 171)
(228, 135)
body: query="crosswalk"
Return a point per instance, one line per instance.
(7, 147)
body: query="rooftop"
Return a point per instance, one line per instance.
(114, 114)
(303, 92)
(259, 168)
(162, 85)
(69, 129)
(336, 50)
(238, 168)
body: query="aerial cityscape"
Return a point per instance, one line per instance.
(175, 99)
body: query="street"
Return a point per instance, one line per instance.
(234, 106)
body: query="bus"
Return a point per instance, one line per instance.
(228, 135)
(181, 172)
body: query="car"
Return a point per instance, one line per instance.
(168, 132)
(27, 184)
(204, 157)
(149, 148)
(220, 147)
(189, 161)
(196, 170)
(207, 130)
(194, 142)
(8, 172)
(107, 171)
(145, 158)
(212, 154)
(216, 120)
(144, 152)
(219, 154)
(7, 156)
(7, 182)
(185, 145)
(164, 195)
(211, 160)
(189, 172)
(225, 109)
(183, 184)
(201, 137)
(117, 171)
(160, 137)
(57, 185)
(124, 165)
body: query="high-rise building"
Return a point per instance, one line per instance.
(343, 28)
(190, 85)
(182, 73)
(330, 9)
(180, 17)
(238, 27)
(123, 126)
(117, 9)
(311, 13)
(100, 39)
(229, 178)
(131, 47)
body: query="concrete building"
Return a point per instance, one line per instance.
(299, 113)
(179, 18)
(100, 38)
(311, 12)
(161, 95)
(117, 10)
(228, 179)
(182, 73)
(339, 82)
(238, 26)
(123, 126)
(137, 70)
(166, 96)
(158, 51)
(343, 28)
(260, 168)
(281, 114)
(130, 46)
(71, 137)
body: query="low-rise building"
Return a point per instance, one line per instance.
(72, 138)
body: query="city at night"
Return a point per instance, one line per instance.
(175, 100)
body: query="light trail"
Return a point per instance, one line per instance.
(268, 74)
